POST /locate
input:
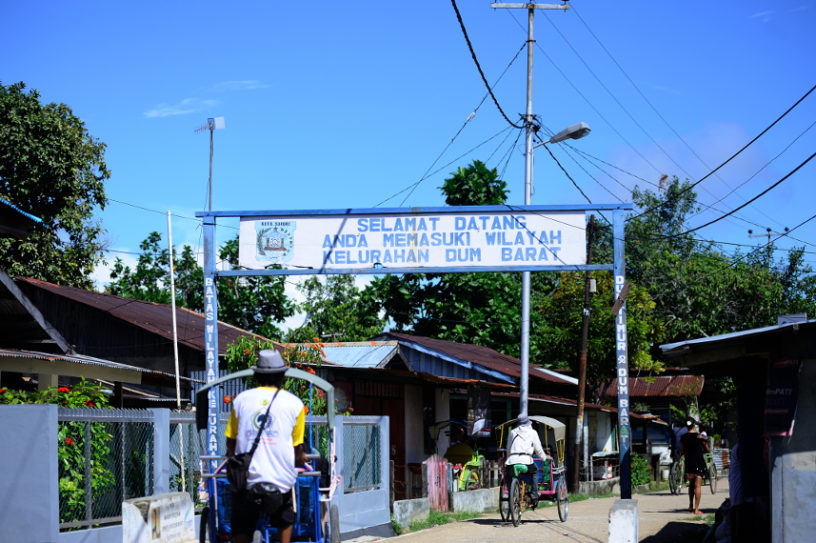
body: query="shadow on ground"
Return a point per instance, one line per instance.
(680, 532)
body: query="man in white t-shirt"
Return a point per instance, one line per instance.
(279, 450)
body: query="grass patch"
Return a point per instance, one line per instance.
(435, 518)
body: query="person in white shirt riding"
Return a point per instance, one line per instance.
(521, 446)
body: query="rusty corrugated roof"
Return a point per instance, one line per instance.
(484, 356)
(152, 317)
(658, 387)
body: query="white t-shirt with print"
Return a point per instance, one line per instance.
(274, 459)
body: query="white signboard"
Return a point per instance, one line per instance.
(421, 240)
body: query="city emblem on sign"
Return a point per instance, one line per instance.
(275, 241)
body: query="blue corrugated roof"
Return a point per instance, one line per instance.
(363, 354)
(20, 211)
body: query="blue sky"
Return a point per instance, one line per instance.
(348, 104)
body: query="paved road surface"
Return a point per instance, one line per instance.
(663, 519)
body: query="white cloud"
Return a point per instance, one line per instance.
(239, 85)
(184, 107)
(764, 16)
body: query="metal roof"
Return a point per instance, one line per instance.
(486, 357)
(668, 348)
(25, 361)
(14, 221)
(658, 387)
(363, 354)
(152, 317)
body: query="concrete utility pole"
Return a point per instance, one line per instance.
(528, 184)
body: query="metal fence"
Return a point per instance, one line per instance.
(105, 456)
(362, 465)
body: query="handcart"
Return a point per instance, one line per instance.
(316, 516)
(517, 490)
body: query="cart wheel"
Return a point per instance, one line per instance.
(712, 478)
(504, 499)
(515, 502)
(204, 525)
(562, 499)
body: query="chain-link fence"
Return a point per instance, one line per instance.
(105, 456)
(361, 455)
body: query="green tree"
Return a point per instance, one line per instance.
(474, 185)
(558, 335)
(255, 304)
(699, 290)
(51, 167)
(337, 311)
(479, 308)
(150, 279)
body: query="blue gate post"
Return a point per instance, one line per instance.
(621, 347)
(211, 352)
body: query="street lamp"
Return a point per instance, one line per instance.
(213, 123)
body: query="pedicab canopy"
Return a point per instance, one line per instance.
(558, 427)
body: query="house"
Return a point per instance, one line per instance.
(774, 371)
(419, 381)
(72, 332)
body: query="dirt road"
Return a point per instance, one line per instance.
(662, 517)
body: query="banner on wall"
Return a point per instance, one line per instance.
(422, 240)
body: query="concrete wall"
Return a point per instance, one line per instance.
(29, 501)
(476, 501)
(793, 479)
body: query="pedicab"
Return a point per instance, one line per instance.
(517, 489)
(316, 516)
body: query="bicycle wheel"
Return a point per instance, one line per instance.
(712, 477)
(204, 525)
(504, 499)
(676, 478)
(515, 502)
(562, 499)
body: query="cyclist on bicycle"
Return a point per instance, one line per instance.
(522, 444)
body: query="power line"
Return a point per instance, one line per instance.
(413, 185)
(729, 159)
(752, 199)
(470, 118)
(479, 67)
(615, 98)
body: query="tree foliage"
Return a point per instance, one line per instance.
(51, 167)
(255, 304)
(336, 310)
(475, 185)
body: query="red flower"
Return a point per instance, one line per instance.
(69, 441)
(64, 389)
(89, 403)
(227, 399)
(2, 390)
(246, 351)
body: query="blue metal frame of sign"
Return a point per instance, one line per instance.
(618, 269)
